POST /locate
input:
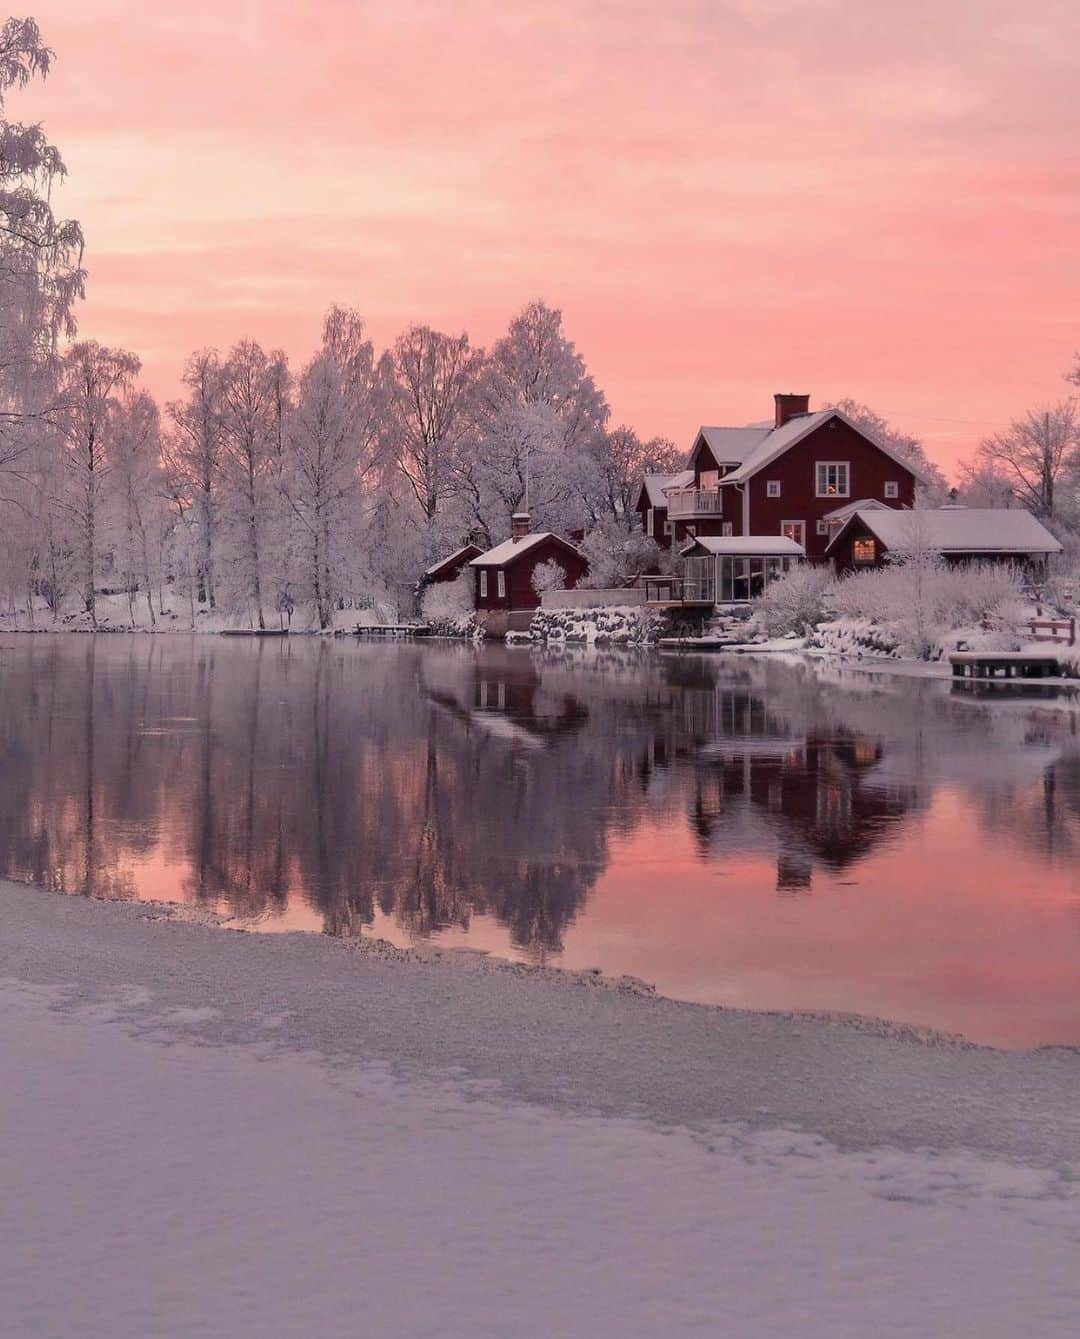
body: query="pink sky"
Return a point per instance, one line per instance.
(726, 197)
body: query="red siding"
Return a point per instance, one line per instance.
(869, 471)
(519, 573)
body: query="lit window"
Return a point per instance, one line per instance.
(483, 583)
(864, 551)
(832, 478)
(772, 488)
(795, 530)
(501, 584)
(892, 489)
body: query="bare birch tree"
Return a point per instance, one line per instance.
(1036, 455)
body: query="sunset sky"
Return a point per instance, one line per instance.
(726, 197)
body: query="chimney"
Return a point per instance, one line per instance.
(789, 406)
(519, 525)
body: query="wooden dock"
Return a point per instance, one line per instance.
(1003, 664)
(392, 630)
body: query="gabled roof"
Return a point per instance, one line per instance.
(653, 486)
(730, 446)
(775, 441)
(457, 556)
(510, 550)
(956, 530)
(850, 508)
(759, 546)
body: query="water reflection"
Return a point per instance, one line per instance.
(444, 790)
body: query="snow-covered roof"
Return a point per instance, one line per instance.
(850, 508)
(731, 446)
(450, 559)
(511, 549)
(774, 442)
(958, 530)
(759, 546)
(654, 485)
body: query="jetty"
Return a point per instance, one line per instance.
(1003, 664)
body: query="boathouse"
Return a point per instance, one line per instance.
(869, 538)
(504, 576)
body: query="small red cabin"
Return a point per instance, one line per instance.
(504, 574)
(450, 567)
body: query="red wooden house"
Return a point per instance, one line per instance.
(799, 477)
(450, 567)
(504, 575)
(652, 504)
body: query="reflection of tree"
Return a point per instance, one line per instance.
(434, 784)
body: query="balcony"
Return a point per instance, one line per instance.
(687, 504)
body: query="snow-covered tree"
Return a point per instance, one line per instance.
(617, 555)
(135, 487)
(194, 451)
(933, 488)
(550, 575)
(616, 463)
(431, 412)
(41, 274)
(92, 381)
(1039, 456)
(250, 473)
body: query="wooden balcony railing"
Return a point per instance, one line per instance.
(686, 503)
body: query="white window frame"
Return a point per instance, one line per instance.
(795, 525)
(892, 488)
(822, 526)
(772, 488)
(500, 584)
(838, 465)
(483, 583)
(669, 527)
(727, 529)
(650, 522)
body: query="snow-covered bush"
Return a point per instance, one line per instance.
(548, 576)
(617, 555)
(448, 599)
(795, 603)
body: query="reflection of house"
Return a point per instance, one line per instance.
(958, 534)
(504, 576)
(505, 697)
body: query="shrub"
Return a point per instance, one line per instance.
(548, 576)
(448, 600)
(795, 603)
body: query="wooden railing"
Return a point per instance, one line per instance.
(684, 502)
(1059, 630)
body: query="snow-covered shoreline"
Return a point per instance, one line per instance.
(249, 1134)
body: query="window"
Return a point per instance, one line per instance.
(501, 584)
(892, 489)
(483, 583)
(823, 527)
(832, 478)
(650, 521)
(669, 528)
(795, 530)
(727, 528)
(772, 488)
(864, 551)
(709, 482)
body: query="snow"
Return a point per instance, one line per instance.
(959, 530)
(655, 484)
(510, 549)
(218, 1133)
(759, 545)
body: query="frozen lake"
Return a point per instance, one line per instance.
(747, 832)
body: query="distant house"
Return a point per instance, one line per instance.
(504, 575)
(652, 504)
(790, 478)
(869, 537)
(450, 567)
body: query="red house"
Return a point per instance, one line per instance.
(802, 477)
(504, 575)
(652, 504)
(450, 567)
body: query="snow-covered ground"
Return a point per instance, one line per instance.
(215, 1133)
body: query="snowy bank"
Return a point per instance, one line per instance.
(213, 1132)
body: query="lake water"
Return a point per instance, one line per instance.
(755, 832)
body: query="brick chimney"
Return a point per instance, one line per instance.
(519, 525)
(788, 406)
